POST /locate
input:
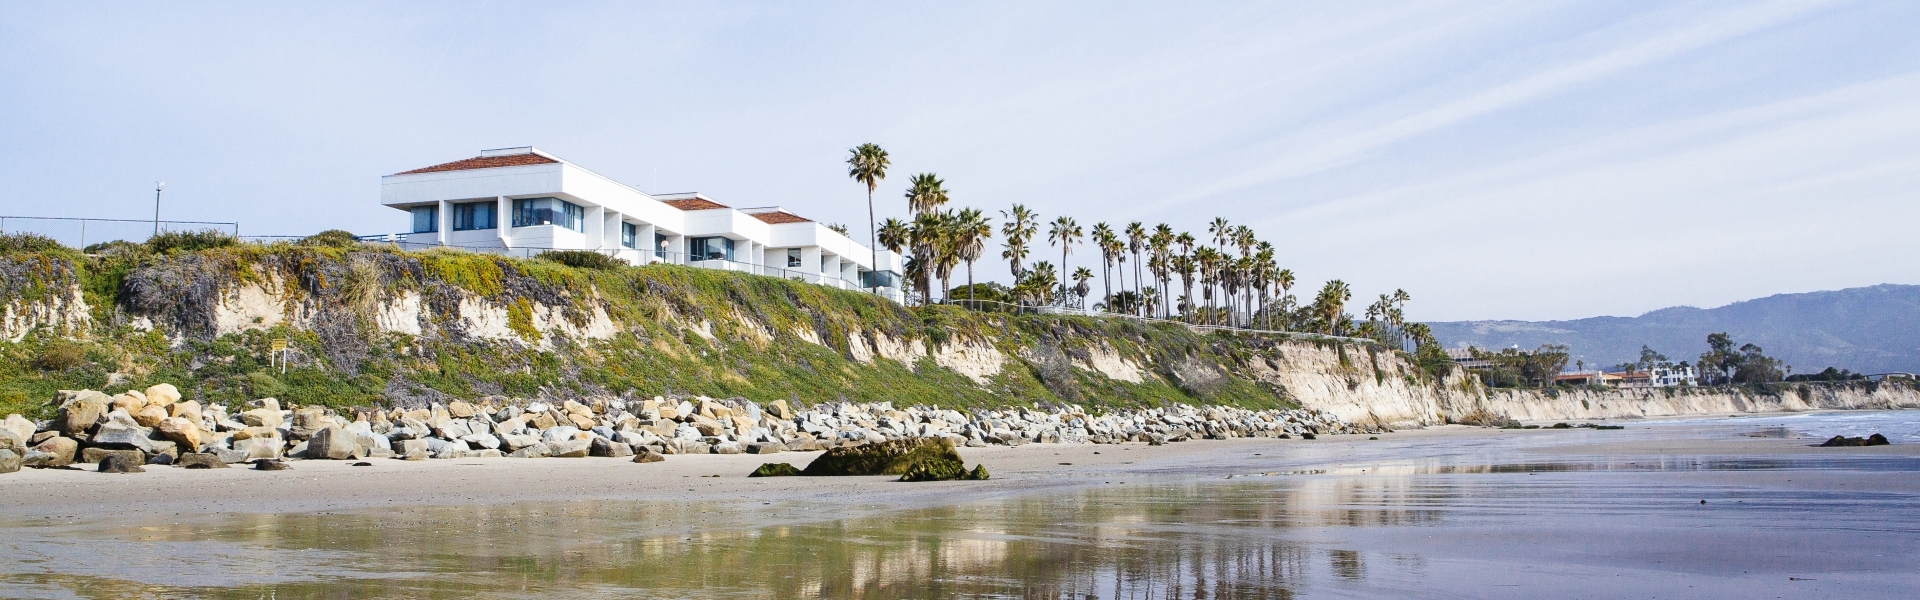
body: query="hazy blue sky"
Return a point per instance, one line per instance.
(1521, 159)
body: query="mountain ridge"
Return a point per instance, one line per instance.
(1873, 329)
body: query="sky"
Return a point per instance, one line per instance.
(1497, 160)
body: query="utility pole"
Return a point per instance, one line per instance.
(157, 186)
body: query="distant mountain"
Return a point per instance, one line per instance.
(1869, 330)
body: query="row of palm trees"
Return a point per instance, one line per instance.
(1239, 282)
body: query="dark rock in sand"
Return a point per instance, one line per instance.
(611, 449)
(648, 456)
(1844, 441)
(1308, 436)
(118, 463)
(766, 448)
(885, 458)
(200, 461)
(935, 468)
(775, 470)
(160, 459)
(268, 464)
(95, 455)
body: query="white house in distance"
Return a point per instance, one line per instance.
(522, 201)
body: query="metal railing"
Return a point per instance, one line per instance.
(998, 306)
(79, 225)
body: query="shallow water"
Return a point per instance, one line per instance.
(1482, 518)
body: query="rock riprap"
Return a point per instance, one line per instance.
(158, 426)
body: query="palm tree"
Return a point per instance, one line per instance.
(1264, 271)
(1183, 265)
(868, 164)
(926, 193)
(895, 235)
(1222, 232)
(1104, 239)
(1332, 303)
(929, 240)
(1019, 229)
(971, 230)
(1136, 242)
(1080, 287)
(1066, 233)
(1161, 245)
(1284, 279)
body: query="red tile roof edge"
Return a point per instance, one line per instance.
(485, 162)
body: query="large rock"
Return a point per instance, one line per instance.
(576, 408)
(54, 452)
(409, 447)
(183, 432)
(482, 441)
(149, 416)
(887, 458)
(563, 432)
(535, 450)
(571, 448)
(10, 461)
(580, 421)
(516, 441)
(189, 410)
(648, 456)
(20, 426)
(80, 411)
(709, 427)
(260, 446)
(333, 443)
(778, 410)
(95, 455)
(728, 448)
(162, 394)
(12, 441)
(460, 410)
(233, 456)
(765, 448)
(262, 417)
(608, 448)
(310, 419)
(120, 463)
(200, 461)
(543, 420)
(130, 401)
(115, 435)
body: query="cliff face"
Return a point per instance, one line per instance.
(374, 325)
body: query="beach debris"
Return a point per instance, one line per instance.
(1844, 441)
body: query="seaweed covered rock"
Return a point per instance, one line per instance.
(979, 473)
(935, 468)
(1840, 441)
(885, 458)
(775, 470)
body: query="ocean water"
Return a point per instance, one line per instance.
(1481, 517)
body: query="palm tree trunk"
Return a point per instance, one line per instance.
(1106, 281)
(873, 244)
(970, 288)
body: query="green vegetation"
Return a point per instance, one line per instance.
(893, 457)
(190, 241)
(583, 259)
(332, 238)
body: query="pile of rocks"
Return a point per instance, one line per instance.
(156, 426)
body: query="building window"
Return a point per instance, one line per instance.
(628, 231)
(793, 258)
(885, 279)
(660, 244)
(710, 248)
(474, 215)
(426, 219)
(549, 211)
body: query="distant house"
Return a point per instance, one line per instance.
(1656, 377)
(1581, 378)
(1464, 358)
(523, 201)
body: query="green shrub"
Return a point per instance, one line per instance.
(583, 259)
(264, 385)
(28, 242)
(60, 355)
(775, 470)
(117, 247)
(332, 238)
(190, 241)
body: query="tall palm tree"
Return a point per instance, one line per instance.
(868, 164)
(1066, 233)
(1104, 239)
(971, 230)
(928, 240)
(1136, 242)
(895, 235)
(1019, 229)
(1264, 271)
(1222, 232)
(926, 193)
(1161, 245)
(1332, 303)
(1187, 268)
(1284, 279)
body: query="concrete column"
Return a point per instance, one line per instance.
(443, 214)
(504, 218)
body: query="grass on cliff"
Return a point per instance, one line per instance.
(682, 330)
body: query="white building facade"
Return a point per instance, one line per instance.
(522, 201)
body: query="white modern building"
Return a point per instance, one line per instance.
(522, 201)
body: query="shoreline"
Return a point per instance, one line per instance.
(328, 485)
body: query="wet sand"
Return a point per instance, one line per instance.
(1442, 512)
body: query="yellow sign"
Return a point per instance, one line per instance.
(279, 344)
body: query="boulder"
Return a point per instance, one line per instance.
(411, 446)
(516, 441)
(778, 410)
(233, 456)
(560, 433)
(182, 431)
(200, 461)
(160, 459)
(189, 410)
(728, 448)
(572, 448)
(535, 450)
(543, 420)
(775, 470)
(333, 443)
(576, 408)
(580, 421)
(12, 441)
(95, 455)
(80, 411)
(262, 417)
(481, 441)
(114, 435)
(20, 426)
(648, 456)
(1842, 441)
(609, 448)
(149, 416)
(460, 410)
(120, 463)
(765, 448)
(709, 427)
(130, 401)
(163, 394)
(310, 419)
(10, 461)
(261, 446)
(802, 443)
(267, 464)
(54, 452)
(886, 458)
